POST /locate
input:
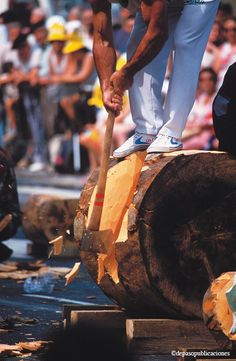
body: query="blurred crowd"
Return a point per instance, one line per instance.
(51, 111)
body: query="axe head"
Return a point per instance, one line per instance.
(96, 241)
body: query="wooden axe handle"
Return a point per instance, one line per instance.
(95, 218)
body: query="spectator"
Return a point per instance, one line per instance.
(224, 11)
(227, 50)
(10, 98)
(77, 80)
(199, 133)
(74, 14)
(87, 21)
(6, 51)
(212, 52)
(27, 78)
(37, 16)
(53, 64)
(39, 32)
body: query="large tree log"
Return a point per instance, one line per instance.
(177, 235)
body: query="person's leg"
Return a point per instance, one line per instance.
(68, 105)
(40, 151)
(190, 40)
(145, 93)
(9, 103)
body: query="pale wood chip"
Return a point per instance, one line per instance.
(5, 221)
(73, 273)
(4, 267)
(32, 345)
(60, 271)
(57, 245)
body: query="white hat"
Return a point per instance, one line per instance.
(55, 19)
(73, 26)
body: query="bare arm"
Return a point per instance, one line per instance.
(104, 52)
(154, 13)
(83, 74)
(103, 47)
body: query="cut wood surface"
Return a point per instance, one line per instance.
(175, 234)
(219, 308)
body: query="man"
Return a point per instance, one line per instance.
(160, 26)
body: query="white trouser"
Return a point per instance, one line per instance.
(188, 35)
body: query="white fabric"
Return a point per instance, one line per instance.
(133, 5)
(34, 61)
(188, 35)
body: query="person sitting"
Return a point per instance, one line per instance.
(199, 133)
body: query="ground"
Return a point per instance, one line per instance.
(43, 311)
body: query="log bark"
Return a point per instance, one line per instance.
(181, 230)
(46, 217)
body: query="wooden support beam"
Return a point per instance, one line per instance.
(71, 313)
(100, 319)
(160, 336)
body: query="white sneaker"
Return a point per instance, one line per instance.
(36, 167)
(137, 142)
(164, 143)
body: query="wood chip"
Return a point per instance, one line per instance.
(5, 221)
(19, 348)
(4, 267)
(57, 245)
(73, 273)
(32, 346)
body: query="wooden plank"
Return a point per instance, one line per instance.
(153, 358)
(99, 319)
(154, 336)
(68, 308)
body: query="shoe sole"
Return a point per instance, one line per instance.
(164, 150)
(130, 151)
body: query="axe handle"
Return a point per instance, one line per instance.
(95, 218)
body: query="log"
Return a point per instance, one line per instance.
(46, 217)
(172, 235)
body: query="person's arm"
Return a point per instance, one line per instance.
(154, 13)
(84, 73)
(104, 52)
(5, 79)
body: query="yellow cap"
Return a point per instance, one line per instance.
(73, 44)
(96, 98)
(57, 33)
